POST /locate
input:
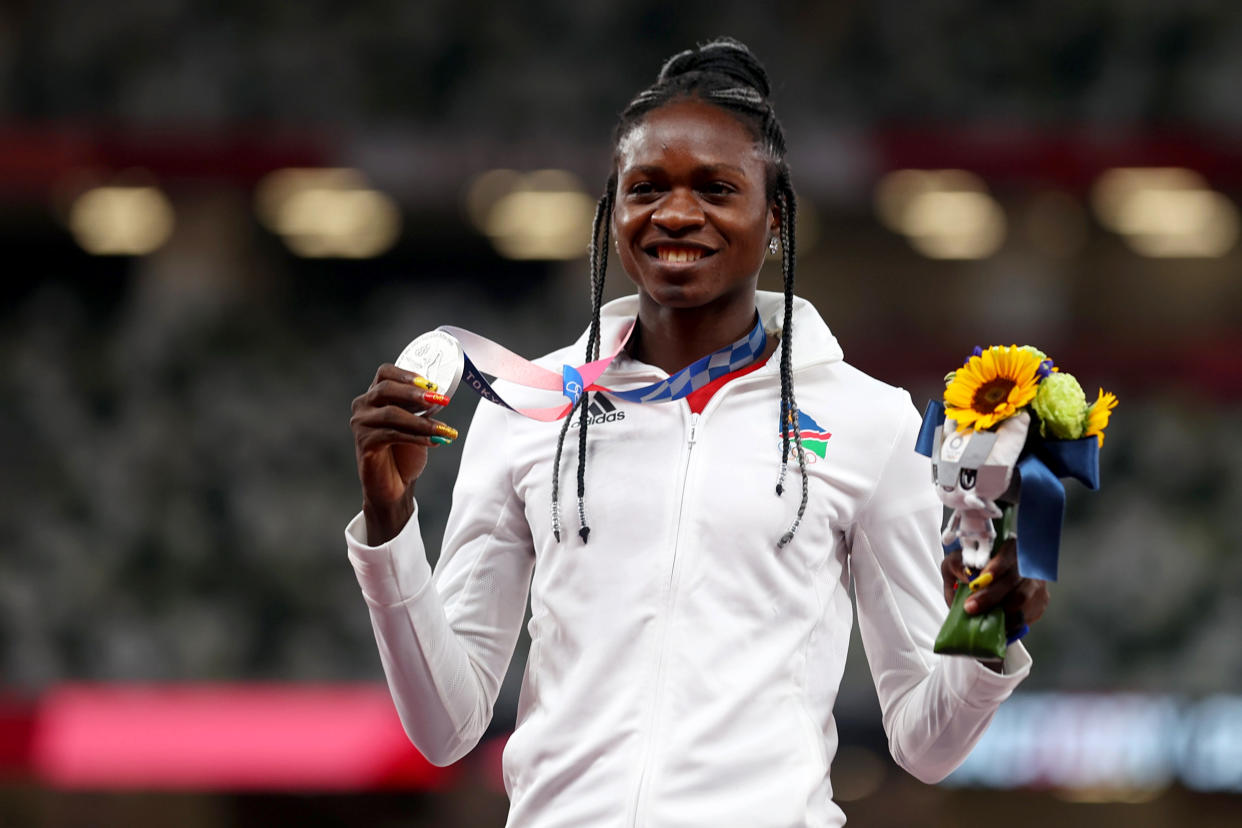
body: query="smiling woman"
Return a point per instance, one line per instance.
(684, 663)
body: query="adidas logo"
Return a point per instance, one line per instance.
(600, 411)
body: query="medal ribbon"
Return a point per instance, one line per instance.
(483, 356)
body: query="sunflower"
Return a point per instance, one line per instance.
(993, 385)
(1098, 414)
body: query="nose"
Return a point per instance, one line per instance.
(679, 211)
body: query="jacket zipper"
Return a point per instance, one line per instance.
(670, 598)
(691, 439)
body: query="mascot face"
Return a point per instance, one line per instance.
(972, 469)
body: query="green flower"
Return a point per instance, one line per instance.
(1061, 406)
(1031, 349)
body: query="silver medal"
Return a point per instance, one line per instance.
(437, 357)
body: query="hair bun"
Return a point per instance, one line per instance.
(722, 56)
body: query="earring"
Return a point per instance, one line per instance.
(773, 246)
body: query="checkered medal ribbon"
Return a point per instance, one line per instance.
(693, 377)
(482, 356)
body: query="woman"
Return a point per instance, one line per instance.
(684, 662)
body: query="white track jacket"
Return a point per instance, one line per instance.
(682, 669)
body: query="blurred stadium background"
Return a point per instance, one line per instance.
(218, 218)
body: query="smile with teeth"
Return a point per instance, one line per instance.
(667, 253)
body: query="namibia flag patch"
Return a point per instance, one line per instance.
(814, 436)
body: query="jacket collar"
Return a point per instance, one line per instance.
(815, 343)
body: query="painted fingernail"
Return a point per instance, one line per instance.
(435, 398)
(446, 431)
(982, 581)
(426, 385)
(441, 441)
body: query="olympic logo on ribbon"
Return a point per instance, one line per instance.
(571, 384)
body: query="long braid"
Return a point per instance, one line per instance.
(789, 405)
(599, 255)
(599, 267)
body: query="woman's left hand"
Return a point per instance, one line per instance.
(1023, 599)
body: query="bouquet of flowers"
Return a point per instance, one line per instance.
(1010, 426)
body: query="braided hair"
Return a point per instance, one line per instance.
(724, 73)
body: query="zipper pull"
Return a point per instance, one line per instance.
(694, 426)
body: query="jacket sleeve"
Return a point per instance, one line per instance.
(935, 707)
(446, 639)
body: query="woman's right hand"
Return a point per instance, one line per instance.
(391, 438)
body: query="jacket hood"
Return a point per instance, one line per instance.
(815, 343)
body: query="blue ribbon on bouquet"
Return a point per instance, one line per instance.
(1041, 495)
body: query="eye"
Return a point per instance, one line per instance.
(719, 188)
(641, 188)
(968, 478)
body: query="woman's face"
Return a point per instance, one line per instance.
(692, 218)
